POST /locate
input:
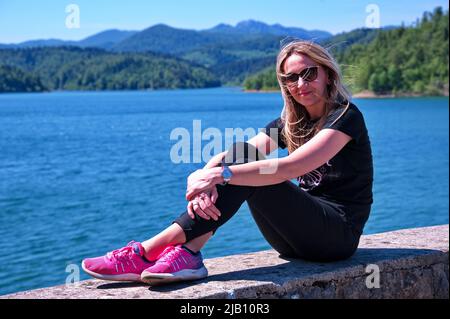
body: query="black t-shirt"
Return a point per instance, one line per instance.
(345, 181)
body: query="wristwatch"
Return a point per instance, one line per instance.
(226, 173)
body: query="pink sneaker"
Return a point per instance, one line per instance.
(124, 264)
(175, 264)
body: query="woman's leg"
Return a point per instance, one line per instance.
(297, 224)
(293, 222)
(175, 234)
(172, 235)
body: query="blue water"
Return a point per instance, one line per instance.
(82, 173)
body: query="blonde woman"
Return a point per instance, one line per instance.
(320, 219)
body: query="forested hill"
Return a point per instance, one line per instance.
(405, 60)
(72, 68)
(13, 79)
(400, 60)
(230, 53)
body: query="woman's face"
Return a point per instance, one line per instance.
(309, 94)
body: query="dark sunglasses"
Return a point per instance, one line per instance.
(307, 75)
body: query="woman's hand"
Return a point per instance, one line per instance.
(203, 205)
(202, 180)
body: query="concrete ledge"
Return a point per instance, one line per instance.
(413, 263)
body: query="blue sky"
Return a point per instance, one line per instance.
(22, 20)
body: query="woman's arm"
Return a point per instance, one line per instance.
(262, 142)
(316, 152)
(206, 208)
(319, 150)
(215, 160)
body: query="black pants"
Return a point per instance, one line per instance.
(294, 223)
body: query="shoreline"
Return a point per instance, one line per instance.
(365, 94)
(372, 95)
(260, 91)
(360, 95)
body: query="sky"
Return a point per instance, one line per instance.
(22, 20)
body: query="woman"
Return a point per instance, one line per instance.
(321, 219)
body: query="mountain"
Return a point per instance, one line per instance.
(74, 68)
(230, 54)
(163, 38)
(256, 27)
(222, 55)
(221, 28)
(247, 42)
(38, 43)
(106, 39)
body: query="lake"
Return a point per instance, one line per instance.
(82, 173)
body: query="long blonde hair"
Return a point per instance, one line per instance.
(297, 128)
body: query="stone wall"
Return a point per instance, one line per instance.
(412, 263)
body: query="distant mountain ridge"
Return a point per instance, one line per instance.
(106, 39)
(256, 27)
(163, 38)
(128, 40)
(116, 59)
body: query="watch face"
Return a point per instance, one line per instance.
(226, 173)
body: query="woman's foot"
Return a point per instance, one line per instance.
(175, 263)
(124, 264)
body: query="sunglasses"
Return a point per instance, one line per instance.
(307, 75)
